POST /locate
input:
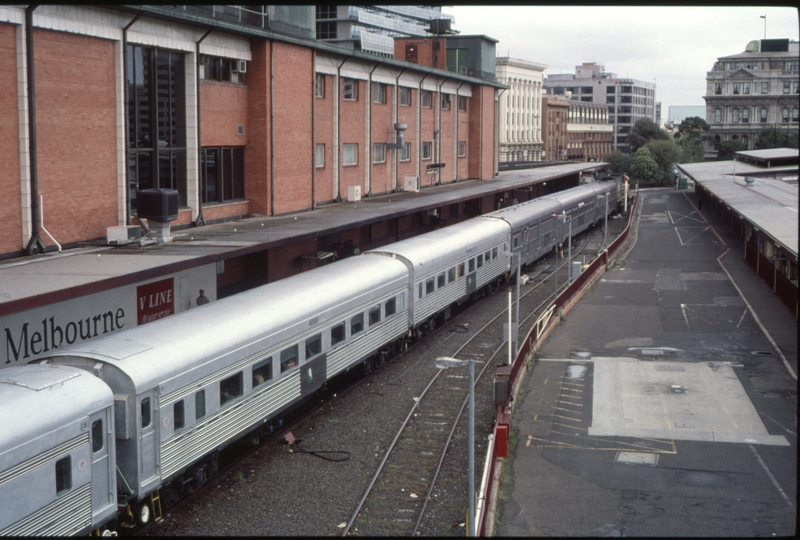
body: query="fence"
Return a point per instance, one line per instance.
(537, 333)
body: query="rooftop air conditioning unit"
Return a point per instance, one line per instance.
(410, 183)
(158, 206)
(354, 193)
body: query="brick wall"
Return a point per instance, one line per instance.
(76, 123)
(294, 144)
(223, 107)
(323, 134)
(382, 132)
(10, 212)
(256, 157)
(352, 114)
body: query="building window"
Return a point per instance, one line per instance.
(426, 150)
(326, 29)
(763, 114)
(462, 103)
(462, 149)
(445, 102)
(717, 115)
(736, 87)
(222, 173)
(379, 153)
(744, 141)
(426, 98)
(378, 92)
(405, 96)
(786, 87)
(718, 88)
(746, 88)
(350, 91)
(350, 154)
(796, 85)
(745, 115)
(795, 113)
(786, 114)
(320, 85)
(319, 156)
(405, 152)
(792, 66)
(765, 87)
(735, 115)
(213, 68)
(157, 120)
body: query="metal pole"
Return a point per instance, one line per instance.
(516, 315)
(510, 335)
(557, 255)
(605, 236)
(569, 253)
(472, 448)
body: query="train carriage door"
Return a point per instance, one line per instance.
(104, 489)
(472, 276)
(148, 423)
(533, 243)
(524, 252)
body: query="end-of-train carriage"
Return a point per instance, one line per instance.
(535, 230)
(184, 387)
(448, 265)
(56, 451)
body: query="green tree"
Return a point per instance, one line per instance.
(665, 153)
(644, 168)
(693, 147)
(644, 131)
(693, 124)
(727, 149)
(619, 162)
(775, 137)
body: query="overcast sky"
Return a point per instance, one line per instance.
(672, 46)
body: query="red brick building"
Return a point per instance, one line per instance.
(555, 114)
(238, 119)
(589, 135)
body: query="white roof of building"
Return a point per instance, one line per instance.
(769, 203)
(772, 153)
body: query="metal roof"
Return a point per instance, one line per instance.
(772, 153)
(769, 203)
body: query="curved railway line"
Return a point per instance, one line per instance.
(406, 495)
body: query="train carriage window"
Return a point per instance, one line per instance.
(374, 315)
(313, 346)
(145, 412)
(199, 404)
(231, 388)
(451, 275)
(516, 242)
(420, 290)
(471, 265)
(461, 270)
(401, 301)
(97, 436)
(440, 282)
(480, 260)
(288, 358)
(179, 414)
(494, 253)
(63, 474)
(357, 324)
(488, 256)
(391, 307)
(262, 372)
(430, 286)
(337, 334)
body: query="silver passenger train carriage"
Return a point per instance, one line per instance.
(113, 422)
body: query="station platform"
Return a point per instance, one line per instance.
(39, 280)
(665, 403)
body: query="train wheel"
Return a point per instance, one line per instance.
(143, 513)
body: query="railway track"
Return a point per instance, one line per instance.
(395, 502)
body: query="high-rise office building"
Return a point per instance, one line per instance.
(628, 100)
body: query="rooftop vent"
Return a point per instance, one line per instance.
(749, 180)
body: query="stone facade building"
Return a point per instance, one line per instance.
(520, 115)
